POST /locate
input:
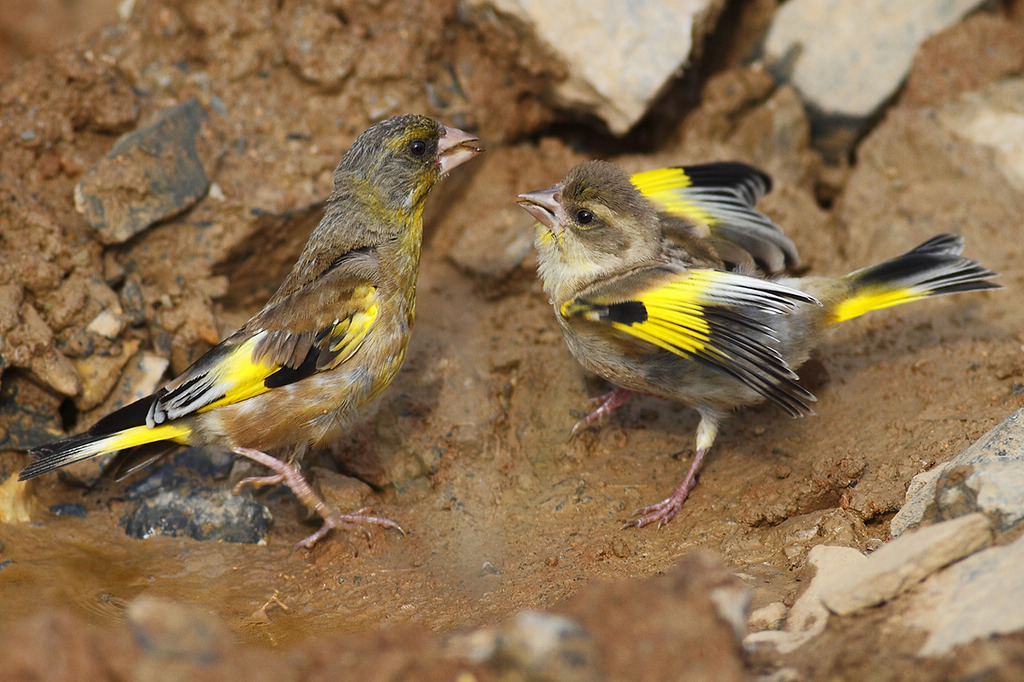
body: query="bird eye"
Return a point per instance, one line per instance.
(584, 217)
(417, 147)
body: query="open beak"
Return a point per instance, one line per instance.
(455, 148)
(542, 205)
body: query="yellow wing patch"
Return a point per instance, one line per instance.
(245, 378)
(662, 187)
(349, 334)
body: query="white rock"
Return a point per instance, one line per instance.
(904, 562)
(808, 617)
(847, 59)
(108, 323)
(768, 617)
(619, 54)
(973, 599)
(993, 117)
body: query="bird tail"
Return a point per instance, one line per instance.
(933, 268)
(118, 431)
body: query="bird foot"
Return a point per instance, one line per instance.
(356, 520)
(289, 474)
(606, 404)
(664, 511)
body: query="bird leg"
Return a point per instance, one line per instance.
(289, 474)
(606, 405)
(664, 511)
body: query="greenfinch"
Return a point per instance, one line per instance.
(666, 285)
(327, 342)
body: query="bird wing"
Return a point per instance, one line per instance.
(314, 329)
(721, 196)
(709, 316)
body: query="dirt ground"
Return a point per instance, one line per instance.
(470, 445)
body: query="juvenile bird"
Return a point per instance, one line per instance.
(665, 292)
(327, 342)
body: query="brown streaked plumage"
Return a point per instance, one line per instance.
(661, 290)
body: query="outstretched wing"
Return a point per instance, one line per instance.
(709, 316)
(721, 196)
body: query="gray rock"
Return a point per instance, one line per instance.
(904, 562)
(28, 423)
(618, 56)
(150, 174)
(975, 598)
(988, 476)
(72, 509)
(201, 514)
(847, 59)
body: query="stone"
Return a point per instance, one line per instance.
(618, 56)
(547, 646)
(209, 460)
(28, 414)
(177, 635)
(680, 610)
(201, 514)
(902, 563)
(771, 616)
(141, 376)
(808, 617)
(15, 501)
(72, 509)
(974, 599)
(993, 118)
(988, 476)
(847, 60)
(151, 174)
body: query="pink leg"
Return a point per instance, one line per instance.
(664, 511)
(257, 482)
(606, 405)
(290, 475)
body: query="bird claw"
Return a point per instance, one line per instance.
(606, 404)
(662, 512)
(353, 521)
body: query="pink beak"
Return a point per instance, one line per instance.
(542, 205)
(455, 148)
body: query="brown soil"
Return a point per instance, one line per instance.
(503, 511)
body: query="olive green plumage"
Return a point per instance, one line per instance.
(331, 338)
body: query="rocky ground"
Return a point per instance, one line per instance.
(160, 174)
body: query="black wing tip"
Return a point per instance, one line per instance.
(751, 181)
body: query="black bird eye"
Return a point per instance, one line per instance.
(584, 217)
(417, 147)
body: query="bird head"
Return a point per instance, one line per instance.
(593, 222)
(399, 160)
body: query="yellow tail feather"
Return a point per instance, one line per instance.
(873, 298)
